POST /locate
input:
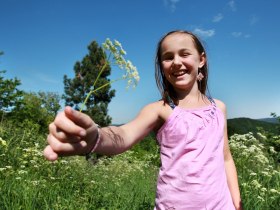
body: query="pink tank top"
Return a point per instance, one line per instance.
(192, 173)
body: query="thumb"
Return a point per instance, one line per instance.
(78, 118)
(50, 154)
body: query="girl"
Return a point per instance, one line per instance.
(197, 170)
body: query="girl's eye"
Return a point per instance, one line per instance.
(167, 58)
(185, 54)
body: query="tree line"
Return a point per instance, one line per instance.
(41, 107)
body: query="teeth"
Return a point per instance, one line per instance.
(179, 73)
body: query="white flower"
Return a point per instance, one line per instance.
(3, 142)
(253, 174)
(273, 191)
(131, 73)
(115, 57)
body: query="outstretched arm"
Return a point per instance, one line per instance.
(74, 133)
(230, 168)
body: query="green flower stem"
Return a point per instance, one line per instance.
(103, 67)
(95, 90)
(92, 91)
(117, 53)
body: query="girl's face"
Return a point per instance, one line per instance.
(180, 61)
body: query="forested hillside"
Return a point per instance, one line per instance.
(245, 125)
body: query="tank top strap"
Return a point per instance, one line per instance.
(213, 103)
(211, 100)
(171, 103)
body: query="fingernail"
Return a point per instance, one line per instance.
(83, 133)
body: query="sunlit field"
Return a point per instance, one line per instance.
(127, 181)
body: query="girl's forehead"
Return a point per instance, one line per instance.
(177, 40)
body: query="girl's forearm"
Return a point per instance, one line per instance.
(232, 180)
(113, 141)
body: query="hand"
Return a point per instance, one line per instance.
(71, 133)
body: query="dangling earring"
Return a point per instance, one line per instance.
(199, 78)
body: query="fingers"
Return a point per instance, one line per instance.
(63, 136)
(78, 118)
(68, 121)
(50, 154)
(68, 134)
(58, 148)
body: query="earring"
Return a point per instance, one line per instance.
(200, 76)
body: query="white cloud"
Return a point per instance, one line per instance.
(218, 17)
(253, 20)
(46, 78)
(171, 4)
(240, 34)
(236, 34)
(232, 5)
(204, 33)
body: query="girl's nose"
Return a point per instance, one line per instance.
(177, 61)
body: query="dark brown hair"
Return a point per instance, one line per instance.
(166, 89)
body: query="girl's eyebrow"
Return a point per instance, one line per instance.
(170, 52)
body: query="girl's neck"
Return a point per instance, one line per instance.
(193, 99)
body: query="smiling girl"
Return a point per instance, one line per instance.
(197, 170)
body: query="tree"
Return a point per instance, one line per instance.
(9, 93)
(50, 101)
(77, 89)
(37, 108)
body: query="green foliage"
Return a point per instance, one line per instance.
(28, 181)
(259, 175)
(274, 115)
(246, 125)
(148, 147)
(36, 108)
(50, 101)
(9, 93)
(126, 181)
(273, 138)
(77, 89)
(271, 131)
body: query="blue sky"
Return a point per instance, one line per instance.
(42, 40)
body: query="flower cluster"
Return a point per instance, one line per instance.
(115, 56)
(3, 142)
(115, 49)
(258, 174)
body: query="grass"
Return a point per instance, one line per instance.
(126, 181)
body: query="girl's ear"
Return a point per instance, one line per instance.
(202, 60)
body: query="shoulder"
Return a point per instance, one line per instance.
(221, 105)
(158, 108)
(157, 112)
(152, 107)
(155, 106)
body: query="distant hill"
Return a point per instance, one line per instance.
(270, 120)
(245, 125)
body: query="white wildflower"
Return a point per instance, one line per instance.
(3, 142)
(253, 174)
(256, 184)
(260, 198)
(22, 172)
(273, 191)
(272, 150)
(115, 57)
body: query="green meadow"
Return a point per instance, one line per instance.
(126, 181)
